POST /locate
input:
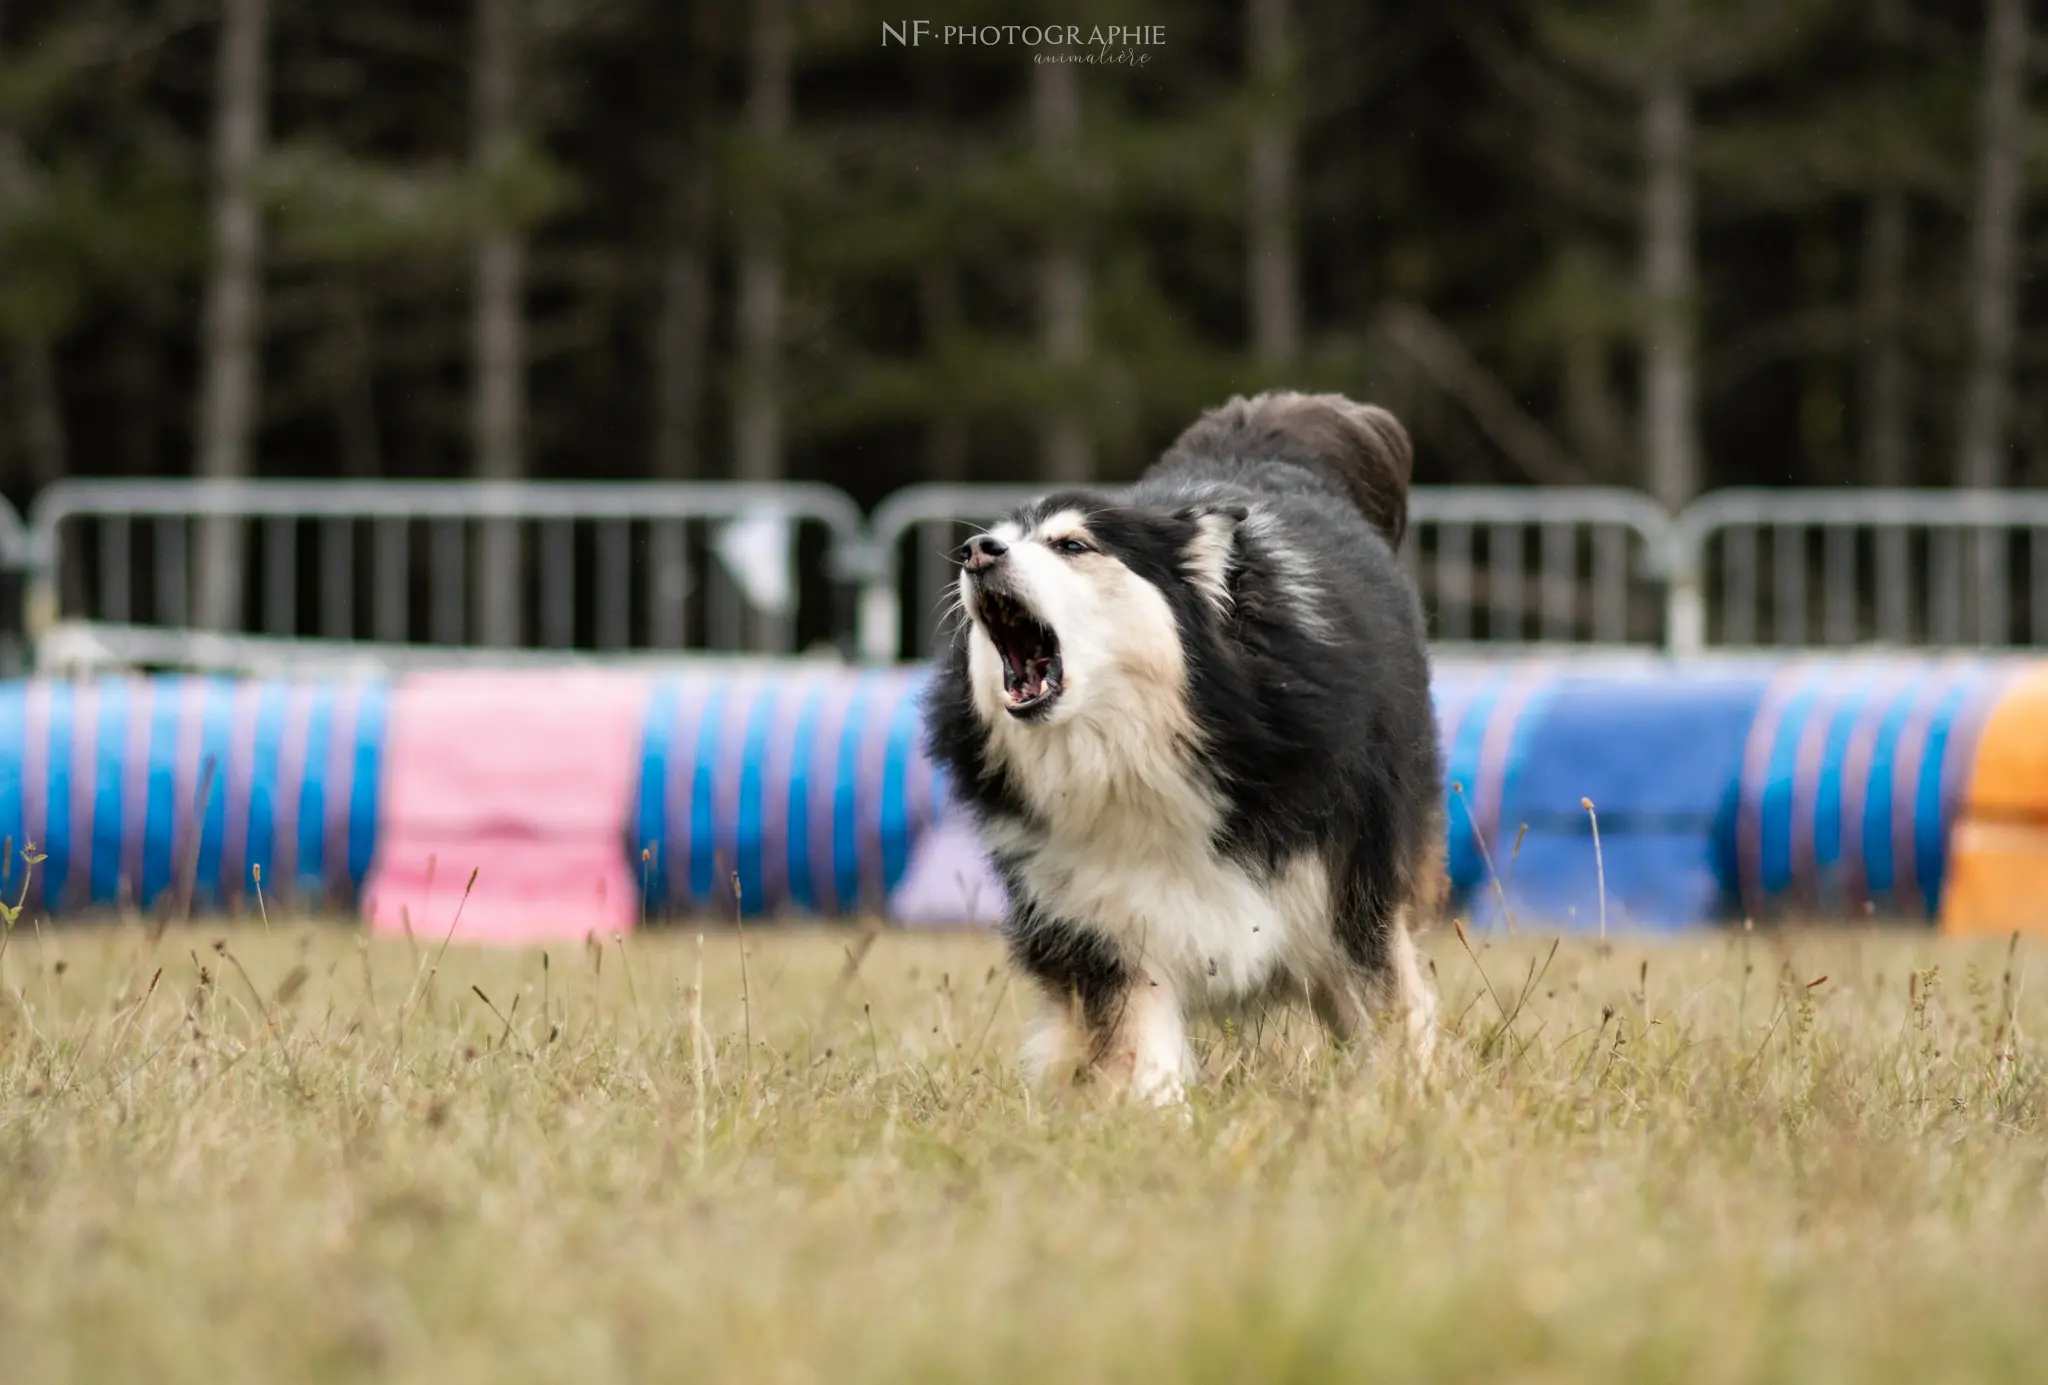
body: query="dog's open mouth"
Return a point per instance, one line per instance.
(1030, 653)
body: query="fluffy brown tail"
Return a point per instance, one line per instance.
(1361, 447)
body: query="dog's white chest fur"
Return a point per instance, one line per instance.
(1124, 844)
(1194, 919)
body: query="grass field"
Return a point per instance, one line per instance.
(283, 1155)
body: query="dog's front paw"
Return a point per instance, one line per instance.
(1158, 1083)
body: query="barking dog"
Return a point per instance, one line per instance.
(1193, 723)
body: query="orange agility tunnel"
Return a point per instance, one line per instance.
(1998, 848)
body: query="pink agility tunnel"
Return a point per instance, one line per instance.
(502, 807)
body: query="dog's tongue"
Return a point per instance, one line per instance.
(1029, 681)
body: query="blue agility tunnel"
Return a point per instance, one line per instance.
(130, 786)
(1851, 780)
(1483, 719)
(810, 786)
(1658, 759)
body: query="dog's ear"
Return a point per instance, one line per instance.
(1209, 552)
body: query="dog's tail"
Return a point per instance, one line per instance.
(1361, 448)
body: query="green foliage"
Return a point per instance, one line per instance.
(1915, 135)
(1482, 161)
(1582, 293)
(80, 214)
(332, 207)
(1623, 42)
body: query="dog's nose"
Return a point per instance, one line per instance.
(981, 551)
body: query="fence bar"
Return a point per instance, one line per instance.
(557, 584)
(725, 607)
(1989, 590)
(1504, 580)
(1788, 586)
(1945, 599)
(337, 579)
(614, 583)
(1738, 587)
(117, 587)
(1454, 582)
(1839, 591)
(171, 570)
(394, 567)
(450, 569)
(1610, 584)
(1560, 580)
(281, 566)
(669, 590)
(1894, 586)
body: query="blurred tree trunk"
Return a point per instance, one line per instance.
(36, 399)
(43, 442)
(758, 420)
(1994, 243)
(945, 442)
(354, 381)
(1594, 419)
(757, 406)
(232, 322)
(1670, 440)
(1887, 409)
(1274, 269)
(945, 457)
(1887, 234)
(1887, 405)
(498, 349)
(39, 406)
(684, 317)
(1065, 451)
(1983, 437)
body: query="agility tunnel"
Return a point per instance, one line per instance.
(503, 804)
(1998, 847)
(809, 792)
(1809, 789)
(553, 805)
(134, 787)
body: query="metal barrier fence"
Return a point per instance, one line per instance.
(1507, 566)
(1798, 568)
(262, 574)
(1498, 565)
(619, 568)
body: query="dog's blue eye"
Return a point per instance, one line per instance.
(1071, 546)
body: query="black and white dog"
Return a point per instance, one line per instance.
(1193, 723)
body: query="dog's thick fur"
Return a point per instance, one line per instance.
(1215, 781)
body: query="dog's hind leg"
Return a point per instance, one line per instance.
(1349, 998)
(1413, 995)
